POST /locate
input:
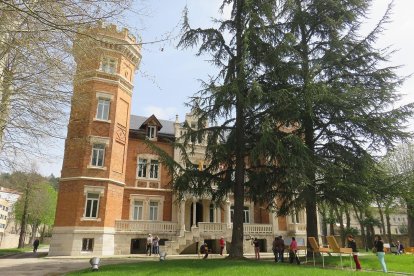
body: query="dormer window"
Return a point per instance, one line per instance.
(108, 65)
(151, 132)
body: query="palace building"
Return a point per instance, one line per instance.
(113, 190)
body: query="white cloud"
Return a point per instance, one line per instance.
(166, 113)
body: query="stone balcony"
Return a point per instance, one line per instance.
(204, 228)
(297, 228)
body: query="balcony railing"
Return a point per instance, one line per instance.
(153, 227)
(212, 227)
(257, 229)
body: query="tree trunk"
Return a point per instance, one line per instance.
(382, 228)
(236, 250)
(348, 217)
(6, 92)
(359, 216)
(23, 224)
(388, 221)
(410, 223)
(341, 225)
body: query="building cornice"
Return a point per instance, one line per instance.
(119, 183)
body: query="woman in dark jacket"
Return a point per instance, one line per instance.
(379, 246)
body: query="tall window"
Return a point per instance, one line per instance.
(142, 167)
(211, 212)
(98, 153)
(108, 65)
(92, 205)
(138, 210)
(151, 132)
(103, 109)
(153, 215)
(246, 214)
(87, 244)
(154, 169)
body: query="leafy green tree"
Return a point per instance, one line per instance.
(341, 97)
(400, 165)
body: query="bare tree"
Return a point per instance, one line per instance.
(36, 69)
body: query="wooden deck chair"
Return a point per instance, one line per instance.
(333, 244)
(317, 249)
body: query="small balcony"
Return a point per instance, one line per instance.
(145, 227)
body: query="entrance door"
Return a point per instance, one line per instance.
(138, 246)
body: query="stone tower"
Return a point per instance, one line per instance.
(93, 174)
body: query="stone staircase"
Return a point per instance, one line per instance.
(178, 244)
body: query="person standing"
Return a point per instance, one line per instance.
(293, 251)
(379, 247)
(256, 245)
(281, 249)
(274, 248)
(35, 245)
(352, 244)
(149, 244)
(156, 245)
(222, 244)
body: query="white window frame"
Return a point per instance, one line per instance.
(246, 214)
(103, 109)
(99, 190)
(90, 242)
(151, 132)
(146, 200)
(109, 65)
(98, 150)
(154, 169)
(142, 167)
(93, 203)
(138, 209)
(153, 210)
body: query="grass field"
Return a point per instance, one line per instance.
(9, 251)
(395, 263)
(370, 265)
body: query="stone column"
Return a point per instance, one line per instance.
(182, 217)
(218, 214)
(214, 213)
(227, 218)
(194, 213)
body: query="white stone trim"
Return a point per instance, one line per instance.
(104, 95)
(99, 140)
(93, 179)
(146, 205)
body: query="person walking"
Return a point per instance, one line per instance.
(293, 251)
(352, 244)
(379, 248)
(35, 245)
(256, 245)
(149, 244)
(222, 245)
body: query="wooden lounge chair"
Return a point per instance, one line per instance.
(333, 245)
(317, 249)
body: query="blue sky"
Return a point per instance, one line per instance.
(168, 76)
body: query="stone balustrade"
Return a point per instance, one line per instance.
(212, 227)
(154, 227)
(264, 229)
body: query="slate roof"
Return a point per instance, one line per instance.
(167, 126)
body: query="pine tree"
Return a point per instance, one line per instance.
(341, 94)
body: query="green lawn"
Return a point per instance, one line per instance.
(395, 263)
(212, 267)
(9, 251)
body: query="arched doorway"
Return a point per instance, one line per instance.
(199, 213)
